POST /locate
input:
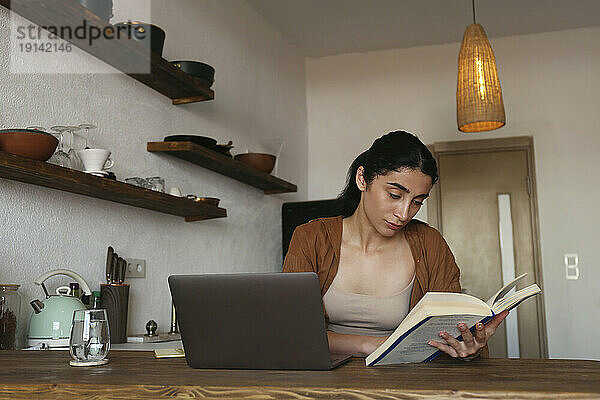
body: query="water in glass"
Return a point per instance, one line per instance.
(90, 339)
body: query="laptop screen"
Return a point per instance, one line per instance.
(257, 320)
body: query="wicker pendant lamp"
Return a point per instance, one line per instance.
(479, 105)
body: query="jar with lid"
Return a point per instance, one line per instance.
(10, 308)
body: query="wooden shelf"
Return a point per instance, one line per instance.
(224, 165)
(44, 174)
(128, 56)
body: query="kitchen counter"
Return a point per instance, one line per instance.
(137, 375)
(131, 346)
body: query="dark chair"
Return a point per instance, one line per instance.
(297, 213)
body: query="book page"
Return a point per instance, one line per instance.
(510, 302)
(414, 347)
(505, 289)
(446, 303)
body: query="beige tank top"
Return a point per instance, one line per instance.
(361, 314)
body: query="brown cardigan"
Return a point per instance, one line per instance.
(315, 247)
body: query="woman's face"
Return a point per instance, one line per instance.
(393, 199)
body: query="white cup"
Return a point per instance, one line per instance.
(95, 160)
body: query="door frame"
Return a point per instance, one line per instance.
(434, 203)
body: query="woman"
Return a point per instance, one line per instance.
(374, 262)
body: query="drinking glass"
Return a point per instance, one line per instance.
(37, 128)
(86, 135)
(76, 162)
(137, 181)
(90, 338)
(156, 183)
(60, 157)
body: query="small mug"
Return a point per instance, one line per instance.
(95, 159)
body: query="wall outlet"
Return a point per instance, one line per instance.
(135, 268)
(572, 266)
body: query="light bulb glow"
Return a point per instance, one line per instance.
(480, 79)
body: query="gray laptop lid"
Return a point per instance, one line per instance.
(257, 321)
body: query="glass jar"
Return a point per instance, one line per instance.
(137, 181)
(156, 183)
(10, 308)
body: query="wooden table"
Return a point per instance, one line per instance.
(137, 375)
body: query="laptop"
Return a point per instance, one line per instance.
(253, 321)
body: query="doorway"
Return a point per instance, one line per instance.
(485, 206)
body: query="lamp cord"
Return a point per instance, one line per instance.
(474, 12)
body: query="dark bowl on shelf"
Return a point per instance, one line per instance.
(213, 201)
(197, 69)
(200, 140)
(260, 161)
(151, 36)
(28, 143)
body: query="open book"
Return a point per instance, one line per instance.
(440, 311)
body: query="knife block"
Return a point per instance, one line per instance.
(115, 299)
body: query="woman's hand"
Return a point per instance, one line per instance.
(471, 345)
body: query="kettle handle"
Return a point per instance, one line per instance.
(84, 286)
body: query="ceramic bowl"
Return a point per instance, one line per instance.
(260, 161)
(28, 143)
(199, 140)
(197, 69)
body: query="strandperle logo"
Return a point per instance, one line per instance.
(82, 32)
(55, 40)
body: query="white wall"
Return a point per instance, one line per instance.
(551, 89)
(260, 95)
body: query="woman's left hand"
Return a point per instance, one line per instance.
(471, 346)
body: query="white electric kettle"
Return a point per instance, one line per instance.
(51, 319)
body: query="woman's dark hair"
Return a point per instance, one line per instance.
(395, 151)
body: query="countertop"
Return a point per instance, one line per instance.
(137, 375)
